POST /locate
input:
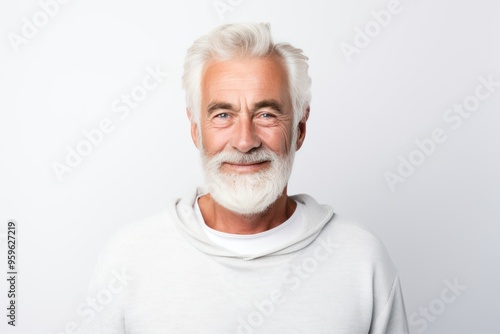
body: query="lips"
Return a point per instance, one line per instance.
(246, 163)
(245, 166)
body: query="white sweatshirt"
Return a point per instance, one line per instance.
(164, 275)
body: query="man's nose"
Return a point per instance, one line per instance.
(245, 138)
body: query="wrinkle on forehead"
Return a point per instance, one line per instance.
(236, 77)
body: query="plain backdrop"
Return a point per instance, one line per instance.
(440, 224)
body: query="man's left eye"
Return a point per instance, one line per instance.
(267, 115)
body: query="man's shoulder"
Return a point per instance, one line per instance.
(348, 230)
(355, 237)
(160, 223)
(148, 225)
(143, 232)
(343, 227)
(356, 242)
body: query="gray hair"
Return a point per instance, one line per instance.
(245, 40)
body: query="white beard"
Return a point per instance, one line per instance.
(247, 193)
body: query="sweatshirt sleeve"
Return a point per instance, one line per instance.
(392, 318)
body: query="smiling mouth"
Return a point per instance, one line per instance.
(246, 167)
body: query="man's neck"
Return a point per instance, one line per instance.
(221, 219)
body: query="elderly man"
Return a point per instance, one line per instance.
(240, 255)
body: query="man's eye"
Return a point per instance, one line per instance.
(266, 115)
(222, 115)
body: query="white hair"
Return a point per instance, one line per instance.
(230, 41)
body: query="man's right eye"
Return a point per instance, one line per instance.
(222, 115)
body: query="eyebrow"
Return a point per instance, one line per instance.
(271, 103)
(219, 105)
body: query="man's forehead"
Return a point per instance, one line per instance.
(246, 70)
(262, 78)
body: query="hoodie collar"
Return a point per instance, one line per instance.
(316, 217)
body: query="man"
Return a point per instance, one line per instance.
(241, 256)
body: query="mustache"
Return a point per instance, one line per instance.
(236, 157)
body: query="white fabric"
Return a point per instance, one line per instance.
(164, 275)
(252, 244)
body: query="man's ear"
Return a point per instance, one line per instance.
(301, 131)
(194, 128)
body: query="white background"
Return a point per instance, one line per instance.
(440, 224)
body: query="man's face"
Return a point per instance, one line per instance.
(245, 105)
(246, 132)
